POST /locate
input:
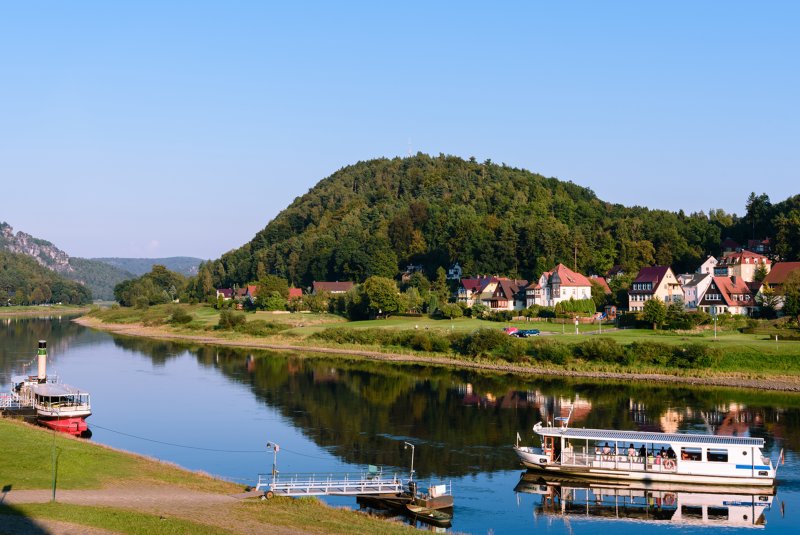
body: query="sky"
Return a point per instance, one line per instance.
(166, 128)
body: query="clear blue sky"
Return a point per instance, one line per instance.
(182, 127)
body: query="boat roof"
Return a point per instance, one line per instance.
(645, 436)
(56, 389)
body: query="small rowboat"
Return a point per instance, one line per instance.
(429, 516)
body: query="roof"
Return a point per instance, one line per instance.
(509, 288)
(252, 290)
(56, 389)
(730, 286)
(225, 292)
(323, 286)
(779, 272)
(646, 436)
(294, 293)
(601, 281)
(652, 274)
(696, 278)
(743, 257)
(569, 277)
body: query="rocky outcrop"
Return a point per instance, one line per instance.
(47, 254)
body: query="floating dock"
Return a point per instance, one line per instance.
(343, 484)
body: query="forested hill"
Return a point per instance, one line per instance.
(376, 217)
(185, 265)
(24, 282)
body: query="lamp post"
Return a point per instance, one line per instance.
(275, 450)
(715, 325)
(410, 445)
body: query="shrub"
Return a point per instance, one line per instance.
(546, 350)
(601, 349)
(180, 316)
(229, 319)
(260, 328)
(585, 307)
(141, 302)
(648, 352)
(451, 311)
(695, 356)
(484, 341)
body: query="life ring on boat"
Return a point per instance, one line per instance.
(669, 464)
(669, 499)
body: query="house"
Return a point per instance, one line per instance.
(777, 276)
(654, 281)
(251, 292)
(708, 266)
(694, 287)
(295, 293)
(616, 271)
(331, 287)
(759, 246)
(410, 270)
(497, 293)
(455, 272)
(729, 245)
(729, 295)
(742, 264)
(226, 293)
(560, 284)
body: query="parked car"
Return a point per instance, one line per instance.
(511, 331)
(525, 333)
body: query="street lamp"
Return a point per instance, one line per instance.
(715, 326)
(275, 450)
(407, 445)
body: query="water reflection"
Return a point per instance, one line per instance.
(667, 503)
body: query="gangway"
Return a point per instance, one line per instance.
(371, 481)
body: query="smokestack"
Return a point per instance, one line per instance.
(42, 361)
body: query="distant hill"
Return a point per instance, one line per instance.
(184, 265)
(378, 216)
(99, 277)
(23, 281)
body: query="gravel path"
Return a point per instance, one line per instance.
(775, 383)
(202, 507)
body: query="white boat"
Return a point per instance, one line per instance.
(659, 503)
(58, 406)
(646, 456)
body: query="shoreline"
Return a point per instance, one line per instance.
(42, 311)
(775, 383)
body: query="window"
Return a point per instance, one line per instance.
(691, 454)
(717, 456)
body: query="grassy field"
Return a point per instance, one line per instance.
(749, 354)
(26, 464)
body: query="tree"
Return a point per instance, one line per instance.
(791, 295)
(760, 273)
(413, 299)
(768, 301)
(381, 295)
(655, 312)
(273, 283)
(598, 294)
(451, 310)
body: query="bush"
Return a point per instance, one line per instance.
(229, 319)
(695, 356)
(451, 311)
(601, 349)
(482, 342)
(141, 303)
(260, 327)
(500, 315)
(584, 307)
(649, 353)
(546, 350)
(180, 316)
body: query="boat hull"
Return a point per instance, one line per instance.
(634, 475)
(73, 426)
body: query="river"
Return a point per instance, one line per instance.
(214, 410)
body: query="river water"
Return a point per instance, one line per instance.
(215, 409)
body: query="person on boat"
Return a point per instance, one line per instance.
(607, 451)
(670, 453)
(642, 452)
(662, 453)
(631, 452)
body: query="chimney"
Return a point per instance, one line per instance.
(42, 353)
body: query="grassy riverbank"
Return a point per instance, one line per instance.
(105, 488)
(729, 358)
(42, 310)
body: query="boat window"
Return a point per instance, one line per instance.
(691, 454)
(717, 512)
(688, 511)
(717, 456)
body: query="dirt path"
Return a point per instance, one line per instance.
(775, 383)
(167, 501)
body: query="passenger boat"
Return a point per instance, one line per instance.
(657, 503)
(58, 406)
(635, 455)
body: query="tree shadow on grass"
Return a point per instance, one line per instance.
(15, 522)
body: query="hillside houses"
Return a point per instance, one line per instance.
(742, 264)
(654, 282)
(729, 295)
(560, 284)
(497, 293)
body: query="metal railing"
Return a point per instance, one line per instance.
(621, 462)
(311, 484)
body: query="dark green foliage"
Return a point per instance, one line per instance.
(582, 307)
(258, 327)
(546, 350)
(184, 265)
(180, 316)
(602, 350)
(97, 276)
(482, 342)
(230, 319)
(24, 282)
(451, 310)
(373, 217)
(157, 287)
(695, 356)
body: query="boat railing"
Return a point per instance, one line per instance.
(618, 461)
(7, 401)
